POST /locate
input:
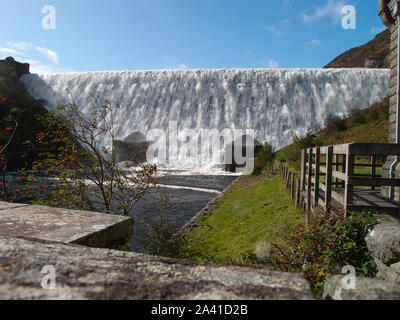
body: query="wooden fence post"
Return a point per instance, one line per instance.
(292, 186)
(317, 170)
(303, 170)
(344, 164)
(297, 196)
(309, 178)
(336, 160)
(328, 179)
(348, 192)
(287, 176)
(373, 169)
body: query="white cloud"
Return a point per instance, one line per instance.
(332, 10)
(42, 68)
(172, 63)
(275, 30)
(39, 67)
(9, 51)
(49, 54)
(20, 46)
(313, 43)
(375, 30)
(29, 53)
(270, 63)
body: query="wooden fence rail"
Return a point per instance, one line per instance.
(331, 173)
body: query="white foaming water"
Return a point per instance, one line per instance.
(276, 103)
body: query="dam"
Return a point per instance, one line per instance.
(276, 104)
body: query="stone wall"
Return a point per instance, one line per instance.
(88, 273)
(393, 82)
(387, 19)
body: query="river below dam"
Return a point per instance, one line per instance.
(180, 197)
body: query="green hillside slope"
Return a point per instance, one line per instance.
(374, 54)
(369, 125)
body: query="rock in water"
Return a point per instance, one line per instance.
(132, 148)
(241, 150)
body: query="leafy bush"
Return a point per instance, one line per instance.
(166, 240)
(331, 242)
(334, 123)
(379, 111)
(293, 153)
(264, 159)
(8, 128)
(356, 117)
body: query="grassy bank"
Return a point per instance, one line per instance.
(253, 211)
(257, 208)
(367, 126)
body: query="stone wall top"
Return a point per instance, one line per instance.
(89, 273)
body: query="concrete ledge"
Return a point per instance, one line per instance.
(66, 226)
(89, 273)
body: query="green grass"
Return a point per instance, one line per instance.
(370, 125)
(253, 211)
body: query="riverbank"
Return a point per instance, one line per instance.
(252, 213)
(178, 196)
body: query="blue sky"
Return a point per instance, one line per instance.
(167, 34)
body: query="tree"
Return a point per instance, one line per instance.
(264, 159)
(82, 172)
(10, 126)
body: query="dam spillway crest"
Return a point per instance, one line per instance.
(272, 105)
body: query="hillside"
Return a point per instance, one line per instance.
(17, 97)
(369, 125)
(374, 54)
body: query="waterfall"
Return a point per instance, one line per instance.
(276, 103)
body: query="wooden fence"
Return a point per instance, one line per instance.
(292, 182)
(330, 173)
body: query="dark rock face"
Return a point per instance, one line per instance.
(231, 149)
(12, 69)
(87, 273)
(131, 148)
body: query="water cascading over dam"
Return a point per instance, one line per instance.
(276, 103)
